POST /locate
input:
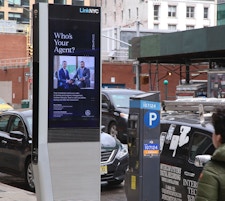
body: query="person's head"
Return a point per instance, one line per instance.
(82, 64)
(218, 121)
(64, 64)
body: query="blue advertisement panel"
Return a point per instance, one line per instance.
(74, 67)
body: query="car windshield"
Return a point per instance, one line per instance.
(121, 100)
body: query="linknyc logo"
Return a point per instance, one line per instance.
(89, 10)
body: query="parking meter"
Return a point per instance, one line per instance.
(66, 104)
(142, 182)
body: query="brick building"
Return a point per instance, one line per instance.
(122, 75)
(14, 68)
(15, 82)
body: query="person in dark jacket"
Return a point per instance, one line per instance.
(211, 185)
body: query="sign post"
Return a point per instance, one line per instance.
(66, 102)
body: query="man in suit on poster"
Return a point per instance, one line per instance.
(82, 76)
(64, 81)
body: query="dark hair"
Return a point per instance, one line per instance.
(218, 121)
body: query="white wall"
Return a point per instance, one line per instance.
(6, 91)
(180, 20)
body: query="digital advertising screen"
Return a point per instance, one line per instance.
(74, 67)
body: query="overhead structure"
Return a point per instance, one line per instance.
(185, 47)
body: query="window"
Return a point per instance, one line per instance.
(25, 3)
(114, 13)
(156, 26)
(190, 12)
(1, 15)
(172, 10)
(156, 12)
(4, 122)
(105, 18)
(188, 27)
(1, 2)
(105, 100)
(15, 16)
(137, 12)
(206, 12)
(129, 13)
(63, 2)
(17, 125)
(122, 15)
(78, 2)
(39, 1)
(14, 2)
(172, 27)
(201, 144)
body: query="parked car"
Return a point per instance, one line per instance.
(115, 110)
(15, 149)
(114, 159)
(4, 106)
(183, 137)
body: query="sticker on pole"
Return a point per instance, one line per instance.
(151, 149)
(152, 118)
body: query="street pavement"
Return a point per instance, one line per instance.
(9, 193)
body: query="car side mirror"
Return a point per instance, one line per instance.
(201, 160)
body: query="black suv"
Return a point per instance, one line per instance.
(15, 149)
(115, 110)
(184, 135)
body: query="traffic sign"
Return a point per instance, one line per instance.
(152, 118)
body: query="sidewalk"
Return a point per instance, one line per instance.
(9, 193)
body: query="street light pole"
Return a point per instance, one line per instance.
(165, 82)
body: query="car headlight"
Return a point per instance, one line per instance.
(123, 151)
(123, 115)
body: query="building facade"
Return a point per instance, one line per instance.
(136, 19)
(177, 15)
(123, 20)
(181, 15)
(20, 10)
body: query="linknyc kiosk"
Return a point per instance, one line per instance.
(142, 182)
(66, 107)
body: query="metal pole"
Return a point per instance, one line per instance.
(187, 74)
(166, 88)
(138, 28)
(137, 69)
(31, 64)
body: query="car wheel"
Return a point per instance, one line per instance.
(115, 182)
(29, 176)
(113, 130)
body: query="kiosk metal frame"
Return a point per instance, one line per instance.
(66, 121)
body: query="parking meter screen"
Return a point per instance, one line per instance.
(74, 67)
